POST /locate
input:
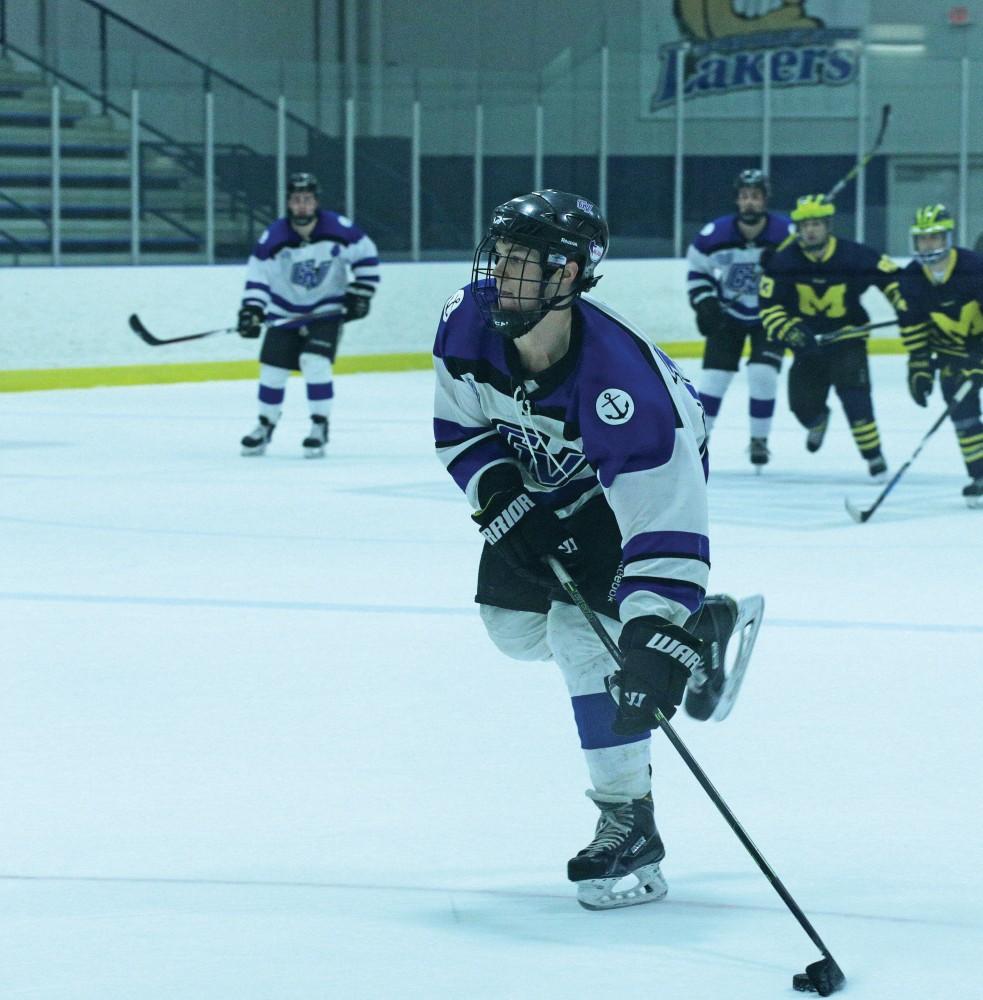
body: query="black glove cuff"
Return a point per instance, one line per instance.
(504, 477)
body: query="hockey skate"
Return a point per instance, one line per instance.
(877, 467)
(817, 433)
(713, 687)
(626, 845)
(759, 453)
(256, 441)
(973, 493)
(317, 438)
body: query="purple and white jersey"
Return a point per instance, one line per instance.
(613, 417)
(290, 277)
(723, 263)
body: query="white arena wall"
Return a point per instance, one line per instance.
(63, 319)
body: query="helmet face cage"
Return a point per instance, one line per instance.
(301, 183)
(528, 243)
(932, 220)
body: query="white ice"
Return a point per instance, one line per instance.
(254, 743)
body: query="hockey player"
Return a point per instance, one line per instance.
(810, 302)
(942, 330)
(724, 270)
(318, 268)
(572, 436)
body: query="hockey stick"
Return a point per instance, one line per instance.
(136, 325)
(861, 516)
(831, 194)
(832, 338)
(823, 976)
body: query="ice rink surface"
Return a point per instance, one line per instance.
(254, 744)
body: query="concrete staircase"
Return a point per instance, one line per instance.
(95, 186)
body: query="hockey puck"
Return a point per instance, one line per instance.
(802, 983)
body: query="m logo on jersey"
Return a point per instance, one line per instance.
(970, 321)
(831, 303)
(309, 274)
(742, 279)
(550, 466)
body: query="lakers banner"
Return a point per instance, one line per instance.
(729, 45)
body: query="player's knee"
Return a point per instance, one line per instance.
(520, 635)
(315, 367)
(579, 653)
(273, 376)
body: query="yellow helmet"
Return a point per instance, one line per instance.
(812, 206)
(929, 220)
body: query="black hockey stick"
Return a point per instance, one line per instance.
(859, 515)
(837, 335)
(136, 325)
(823, 976)
(864, 160)
(831, 194)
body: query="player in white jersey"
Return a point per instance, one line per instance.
(310, 272)
(722, 283)
(573, 436)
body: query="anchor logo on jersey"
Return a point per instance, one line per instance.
(550, 463)
(614, 406)
(309, 274)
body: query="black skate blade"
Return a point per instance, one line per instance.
(824, 977)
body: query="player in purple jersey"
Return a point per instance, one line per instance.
(572, 436)
(722, 284)
(310, 272)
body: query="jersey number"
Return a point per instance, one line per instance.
(830, 303)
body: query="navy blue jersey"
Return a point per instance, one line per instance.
(723, 263)
(613, 417)
(945, 315)
(824, 293)
(288, 276)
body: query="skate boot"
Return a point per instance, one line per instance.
(814, 439)
(974, 493)
(626, 844)
(255, 442)
(317, 438)
(759, 453)
(877, 467)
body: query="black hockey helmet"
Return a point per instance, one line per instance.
(753, 178)
(302, 181)
(561, 228)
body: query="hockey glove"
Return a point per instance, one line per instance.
(973, 368)
(524, 533)
(356, 305)
(250, 323)
(800, 338)
(709, 316)
(658, 659)
(921, 378)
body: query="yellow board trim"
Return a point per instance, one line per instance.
(34, 379)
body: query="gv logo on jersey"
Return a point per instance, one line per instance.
(743, 279)
(308, 273)
(549, 467)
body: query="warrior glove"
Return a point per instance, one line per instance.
(525, 533)
(250, 322)
(709, 316)
(356, 304)
(658, 659)
(921, 377)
